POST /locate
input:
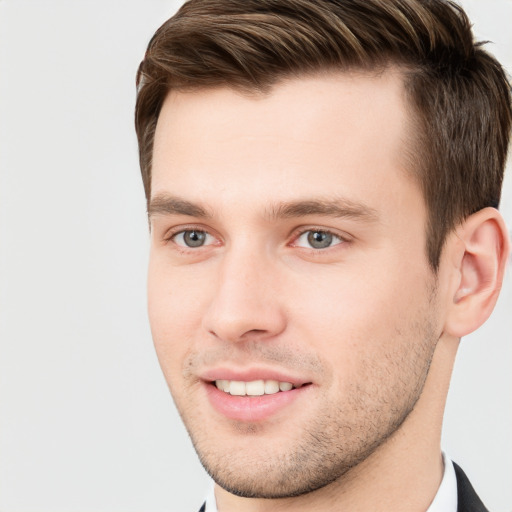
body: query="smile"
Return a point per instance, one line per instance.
(254, 387)
(253, 399)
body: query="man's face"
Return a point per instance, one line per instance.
(288, 251)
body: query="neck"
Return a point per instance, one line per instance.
(402, 475)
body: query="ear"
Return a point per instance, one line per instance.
(480, 260)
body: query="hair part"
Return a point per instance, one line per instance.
(458, 94)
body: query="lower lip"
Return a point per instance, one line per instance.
(251, 408)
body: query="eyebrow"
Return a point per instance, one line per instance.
(164, 204)
(337, 207)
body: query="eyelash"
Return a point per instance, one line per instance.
(172, 234)
(343, 239)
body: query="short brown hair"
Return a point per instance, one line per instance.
(459, 94)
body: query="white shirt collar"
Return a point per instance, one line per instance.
(444, 501)
(211, 504)
(446, 497)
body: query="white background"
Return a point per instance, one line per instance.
(86, 421)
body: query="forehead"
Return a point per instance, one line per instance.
(339, 132)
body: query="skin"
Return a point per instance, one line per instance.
(364, 322)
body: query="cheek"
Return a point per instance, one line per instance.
(351, 316)
(343, 299)
(175, 314)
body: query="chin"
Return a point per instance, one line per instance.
(257, 468)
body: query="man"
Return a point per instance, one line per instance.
(322, 181)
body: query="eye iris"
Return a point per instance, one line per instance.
(194, 238)
(319, 239)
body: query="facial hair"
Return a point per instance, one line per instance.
(341, 432)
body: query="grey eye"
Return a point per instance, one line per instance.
(319, 239)
(191, 238)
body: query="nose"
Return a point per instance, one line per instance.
(246, 303)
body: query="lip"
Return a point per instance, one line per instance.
(253, 409)
(252, 374)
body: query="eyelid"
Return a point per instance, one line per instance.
(176, 230)
(298, 232)
(172, 232)
(179, 239)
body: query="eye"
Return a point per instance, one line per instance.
(192, 238)
(317, 239)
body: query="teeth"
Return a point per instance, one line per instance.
(237, 388)
(223, 385)
(285, 386)
(271, 387)
(253, 388)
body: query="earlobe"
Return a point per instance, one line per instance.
(481, 266)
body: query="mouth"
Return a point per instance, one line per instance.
(256, 399)
(255, 387)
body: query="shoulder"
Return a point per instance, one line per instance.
(468, 500)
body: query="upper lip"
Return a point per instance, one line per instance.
(251, 374)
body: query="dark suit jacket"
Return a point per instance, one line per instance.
(468, 500)
(467, 497)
